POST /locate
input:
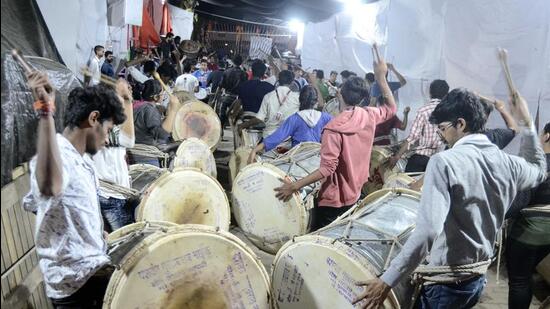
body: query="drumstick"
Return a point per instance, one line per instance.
(20, 59)
(503, 58)
(376, 52)
(107, 80)
(157, 77)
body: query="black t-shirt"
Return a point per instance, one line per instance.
(500, 137)
(148, 125)
(214, 79)
(252, 93)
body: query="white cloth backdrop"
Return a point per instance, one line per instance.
(260, 47)
(451, 40)
(182, 22)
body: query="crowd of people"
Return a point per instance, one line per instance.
(469, 182)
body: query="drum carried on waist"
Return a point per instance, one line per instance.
(189, 266)
(197, 119)
(265, 220)
(124, 239)
(193, 152)
(143, 175)
(332, 107)
(186, 196)
(320, 270)
(251, 137)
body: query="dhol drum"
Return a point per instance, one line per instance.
(143, 175)
(238, 161)
(190, 48)
(189, 267)
(197, 119)
(265, 220)
(332, 107)
(378, 169)
(320, 270)
(251, 137)
(401, 180)
(186, 196)
(193, 152)
(124, 239)
(202, 94)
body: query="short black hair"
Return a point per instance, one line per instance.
(149, 66)
(238, 60)
(461, 103)
(369, 77)
(169, 34)
(187, 66)
(258, 68)
(333, 73)
(151, 88)
(166, 69)
(108, 53)
(100, 98)
(320, 74)
(285, 77)
(308, 97)
(487, 107)
(204, 61)
(345, 73)
(547, 128)
(354, 90)
(177, 39)
(438, 89)
(98, 48)
(232, 79)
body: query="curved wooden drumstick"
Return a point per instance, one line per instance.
(157, 77)
(503, 58)
(107, 80)
(18, 56)
(376, 53)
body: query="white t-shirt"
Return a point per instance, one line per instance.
(94, 68)
(110, 163)
(273, 112)
(186, 82)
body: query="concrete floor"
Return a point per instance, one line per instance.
(495, 294)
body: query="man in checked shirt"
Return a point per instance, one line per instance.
(423, 132)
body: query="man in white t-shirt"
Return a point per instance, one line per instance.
(94, 66)
(111, 166)
(278, 104)
(186, 81)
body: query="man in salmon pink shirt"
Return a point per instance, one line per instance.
(346, 145)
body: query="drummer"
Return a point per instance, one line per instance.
(70, 243)
(470, 187)
(346, 144)
(187, 81)
(202, 73)
(303, 126)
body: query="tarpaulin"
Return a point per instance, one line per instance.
(182, 22)
(451, 40)
(19, 121)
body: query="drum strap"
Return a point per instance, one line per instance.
(426, 275)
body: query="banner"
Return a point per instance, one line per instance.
(260, 47)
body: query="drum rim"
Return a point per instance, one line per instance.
(226, 218)
(204, 109)
(294, 202)
(130, 228)
(187, 230)
(394, 176)
(328, 244)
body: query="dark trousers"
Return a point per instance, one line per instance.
(89, 296)
(521, 260)
(452, 296)
(116, 212)
(417, 163)
(323, 215)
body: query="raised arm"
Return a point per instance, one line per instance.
(49, 168)
(315, 83)
(380, 71)
(405, 119)
(173, 107)
(123, 90)
(400, 77)
(506, 116)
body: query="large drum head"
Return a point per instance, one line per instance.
(143, 175)
(317, 272)
(267, 221)
(197, 119)
(186, 196)
(238, 161)
(191, 267)
(193, 152)
(332, 107)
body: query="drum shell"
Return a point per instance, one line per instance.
(143, 175)
(195, 153)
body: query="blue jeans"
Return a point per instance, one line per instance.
(115, 213)
(452, 296)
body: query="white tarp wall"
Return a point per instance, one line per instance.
(451, 40)
(76, 27)
(182, 22)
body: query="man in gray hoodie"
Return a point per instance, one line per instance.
(467, 191)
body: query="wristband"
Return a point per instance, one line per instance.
(44, 108)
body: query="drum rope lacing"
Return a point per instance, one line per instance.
(146, 171)
(128, 193)
(150, 152)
